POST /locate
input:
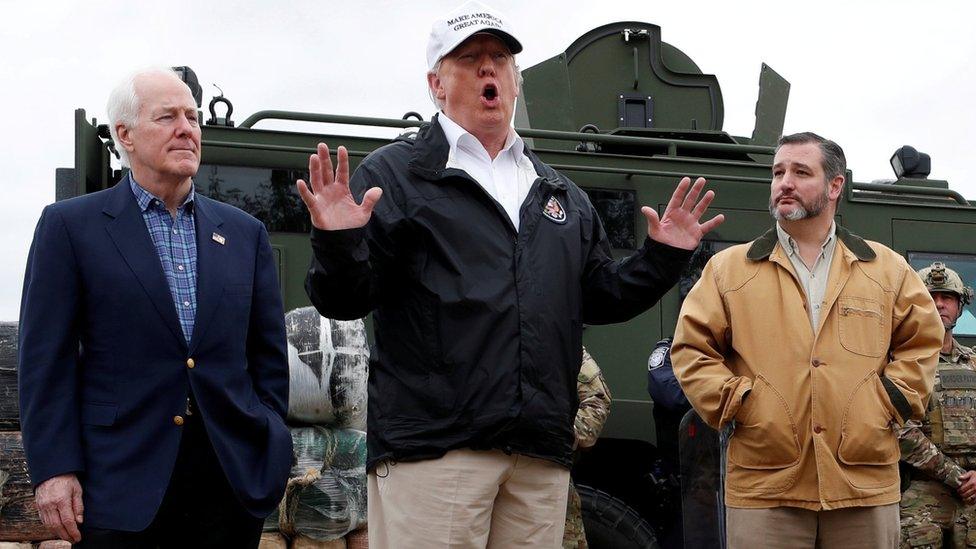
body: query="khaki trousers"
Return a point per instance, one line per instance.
(468, 499)
(853, 527)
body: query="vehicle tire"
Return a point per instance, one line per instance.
(612, 524)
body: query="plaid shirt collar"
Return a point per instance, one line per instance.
(146, 199)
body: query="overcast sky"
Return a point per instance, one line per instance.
(871, 75)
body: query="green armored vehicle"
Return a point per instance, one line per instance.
(625, 115)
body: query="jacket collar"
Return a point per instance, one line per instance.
(764, 245)
(431, 150)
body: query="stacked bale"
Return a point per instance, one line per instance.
(19, 521)
(328, 369)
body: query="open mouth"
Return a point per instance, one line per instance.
(489, 92)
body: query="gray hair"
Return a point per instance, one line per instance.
(834, 162)
(436, 72)
(124, 104)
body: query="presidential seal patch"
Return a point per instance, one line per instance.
(554, 210)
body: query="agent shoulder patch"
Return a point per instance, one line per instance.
(656, 360)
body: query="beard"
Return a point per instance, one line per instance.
(802, 210)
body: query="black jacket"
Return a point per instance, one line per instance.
(478, 327)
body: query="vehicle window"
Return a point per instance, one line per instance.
(706, 249)
(963, 264)
(268, 194)
(617, 211)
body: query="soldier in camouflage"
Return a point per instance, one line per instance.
(594, 407)
(938, 507)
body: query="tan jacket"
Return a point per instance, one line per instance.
(816, 429)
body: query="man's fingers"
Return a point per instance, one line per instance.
(307, 197)
(703, 205)
(68, 524)
(653, 220)
(52, 520)
(328, 173)
(342, 172)
(315, 173)
(689, 201)
(77, 505)
(678, 196)
(712, 223)
(370, 199)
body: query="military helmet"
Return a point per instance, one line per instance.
(939, 278)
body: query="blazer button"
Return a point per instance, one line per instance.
(178, 420)
(815, 362)
(818, 429)
(190, 364)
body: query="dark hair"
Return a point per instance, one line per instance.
(834, 161)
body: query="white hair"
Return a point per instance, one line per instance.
(124, 104)
(437, 70)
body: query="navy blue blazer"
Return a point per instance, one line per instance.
(104, 363)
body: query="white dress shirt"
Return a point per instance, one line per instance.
(507, 178)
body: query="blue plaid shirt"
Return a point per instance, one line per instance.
(176, 245)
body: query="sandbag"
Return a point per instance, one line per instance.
(19, 520)
(358, 539)
(272, 540)
(305, 542)
(4, 477)
(54, 544)
(326, 496)
(328, 362)
(9, 405)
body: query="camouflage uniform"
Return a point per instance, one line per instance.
(594, 407)
(940, 449)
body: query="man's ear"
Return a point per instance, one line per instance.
(434, 83)
(125, 137)
(836, 187)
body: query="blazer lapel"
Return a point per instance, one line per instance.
(211, 264)
(131, 237)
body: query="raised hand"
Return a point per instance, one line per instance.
(329, 201)
(679, 226)
(59, 505)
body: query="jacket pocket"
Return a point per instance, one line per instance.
(868, 445)
(860, 323)
(102, 415)
(958, 425)
(765, 433)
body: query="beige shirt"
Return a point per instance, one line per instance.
(507, 178)
(814, 281)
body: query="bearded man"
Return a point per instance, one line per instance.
(813, 343)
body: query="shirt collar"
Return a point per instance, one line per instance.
(146, 199)
(789, 245)
(458, 137)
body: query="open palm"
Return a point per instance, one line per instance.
(679, 226)
(329, 200)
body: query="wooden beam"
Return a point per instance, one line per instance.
(18, 514)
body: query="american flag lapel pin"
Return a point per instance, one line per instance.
(219, 239)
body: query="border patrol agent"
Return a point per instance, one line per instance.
(941, 449)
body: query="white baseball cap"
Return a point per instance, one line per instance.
(463, 22)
